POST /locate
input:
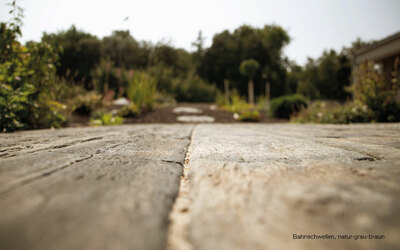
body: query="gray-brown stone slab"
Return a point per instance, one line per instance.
(244, 186)
(254, 186)
(90, 188)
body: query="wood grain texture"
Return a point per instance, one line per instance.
(249, 186)
(254, 186)
(90, 188)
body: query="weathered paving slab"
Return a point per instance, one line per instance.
(90, 188)
(254, 186)
(244, 186)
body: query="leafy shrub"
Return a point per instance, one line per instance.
(129, 111)
(85, 104)
(261, 103)
(26, 75)
(321, 112)
(249, 116)
(241, 110)
(285, 106)
(192, 88)
(374, 100)
(377, 92)
(106, 119)
(237, 103)
(141, 90)
(164, 99)
(187, 87)
(165, 78)
(106, 77)
(220, 99)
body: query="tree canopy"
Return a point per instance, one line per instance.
(221, 61)
(326, 77)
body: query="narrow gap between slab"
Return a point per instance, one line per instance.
(179, 217)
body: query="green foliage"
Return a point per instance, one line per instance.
(265, 45)
(374, 100)
(107, 77)
(79, 53)
(165, 78)
(248, 68)
(193, 89)
(122, 49)
(187, 87)
(141, 90)
(237, 103)
(378, 92)
(240, 109)
(25, 78)
(106, 119)
(308, 80)
(323, 112)
(129, 111)
(249, 116)
(262, 103)
(86, 103)
(327, 77)
(220, 99)
(179, 60)
(164, 99)
(285, 106)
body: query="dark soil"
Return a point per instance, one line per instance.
(166, 115)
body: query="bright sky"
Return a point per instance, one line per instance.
(313, 25)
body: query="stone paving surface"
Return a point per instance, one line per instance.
(244, 186)
(90, 188)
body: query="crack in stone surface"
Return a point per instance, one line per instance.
(179, 217)
(38, 175)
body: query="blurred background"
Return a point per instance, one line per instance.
(77, 63)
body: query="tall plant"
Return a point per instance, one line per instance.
(248, 68)
(141, 90)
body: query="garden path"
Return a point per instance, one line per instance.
(206, 186)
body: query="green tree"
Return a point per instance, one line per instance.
(198, 54)
(327, 77)
(79, 53)
(248, 68)
(308, 80)
(167, 56)
(125, 51)
(221, 61)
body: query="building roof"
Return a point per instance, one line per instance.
(381, 49)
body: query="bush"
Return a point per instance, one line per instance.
(86, 103)
(188, 87)
(164, 99)
(377, 92)
(106, 77)
(241, 110)
(107, 119)
(26, 75)
(285, 106)
(237, 103)
(322, 112)
(262, 103)
(374, 100)
(141, 90)
(129, 111)
(249, 116)
(192, 88)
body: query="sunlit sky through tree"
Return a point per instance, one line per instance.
(313, 25)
